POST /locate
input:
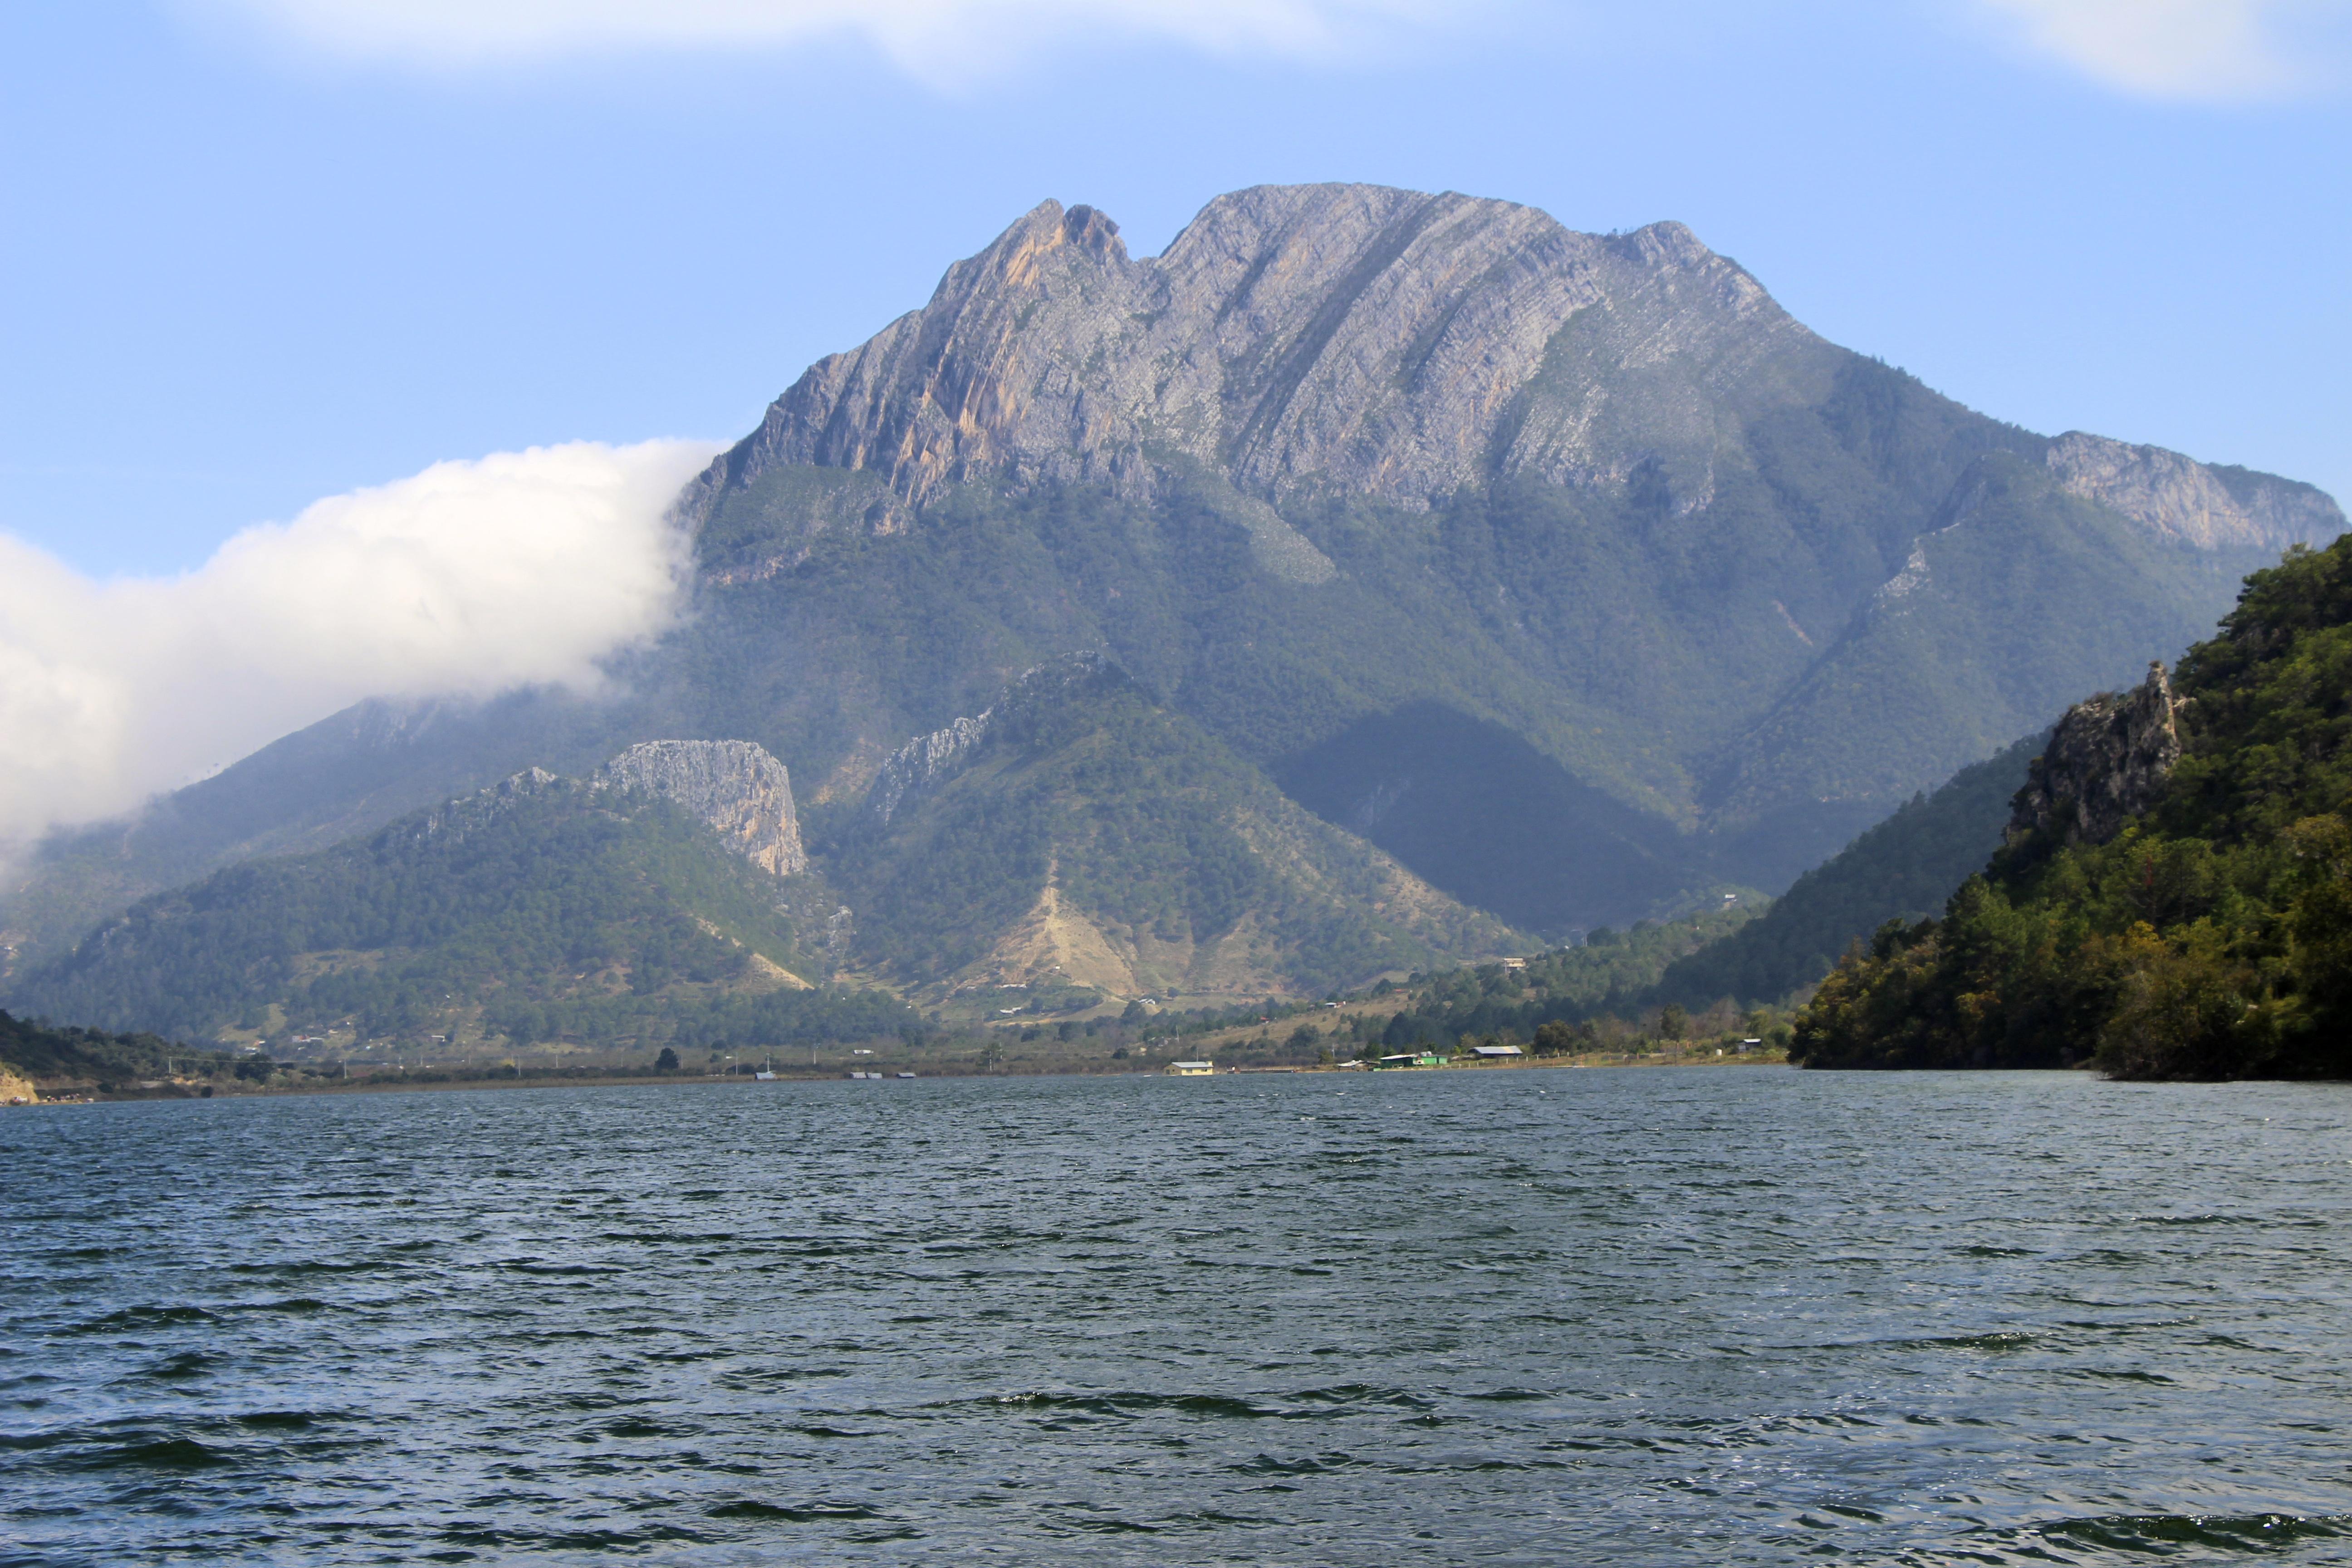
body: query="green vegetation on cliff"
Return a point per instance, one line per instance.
(2210, 937)
(1194, 870)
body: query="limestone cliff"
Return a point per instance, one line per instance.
(2180, 499)
(1381, 341)
(2106, 763)
(924, 762)
(741, 792)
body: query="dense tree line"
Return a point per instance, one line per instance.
(45, 1051)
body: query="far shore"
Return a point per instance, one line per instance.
(393, 1083)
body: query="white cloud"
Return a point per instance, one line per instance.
(469, 579)
(934, 39)
(2195, 50)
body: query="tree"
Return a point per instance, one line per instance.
(1674, 1022)
(667, 1061)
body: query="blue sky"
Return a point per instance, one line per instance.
(256, 252)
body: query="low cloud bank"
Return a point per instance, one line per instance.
(470, 579)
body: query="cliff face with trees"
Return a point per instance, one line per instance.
(2161, 918)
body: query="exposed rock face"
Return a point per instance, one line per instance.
(928, 761)
(924, 762)
(2106, 763)
(2180, 499)
(1378, 341)
(458, 817)
(1298, 339)
(745, 794)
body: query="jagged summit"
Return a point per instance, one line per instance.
(1376, 340)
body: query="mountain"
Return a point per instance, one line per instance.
(1077, 832)
(2175, 896)
(1565, 572)
(1901, 869)
(1071, 842)
(665, 898)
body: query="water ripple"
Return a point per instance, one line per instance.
(1654, 1317)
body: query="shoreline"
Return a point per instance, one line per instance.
(386, 1084)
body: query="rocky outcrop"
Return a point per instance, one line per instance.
(742, 792)
(924, 762)
(2106, 763)
(1381, 341)
(2180, 499)
(928, 761)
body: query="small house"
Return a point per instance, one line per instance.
(1190, 1069)
(1497, 1053)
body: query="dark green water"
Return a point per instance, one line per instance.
(1638, 1317)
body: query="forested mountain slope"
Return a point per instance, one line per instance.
(2176, 897)
(1904, 868)
(1073, 842)
(544, 909)
(1567, 569)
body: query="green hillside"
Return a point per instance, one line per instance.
(1095, 847)
(545, 918)
(2210, 937)
(1097, 833)
(1613, 975)
(1903, 867)
(94, 1058)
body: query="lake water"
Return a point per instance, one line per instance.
(1652, 1316)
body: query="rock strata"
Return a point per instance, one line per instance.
(2180, 499)
(735, 786)
(925, 760)
(1297, 339)
(2106, 763)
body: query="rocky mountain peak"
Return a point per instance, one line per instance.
(1374, 340)
(735, 786)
